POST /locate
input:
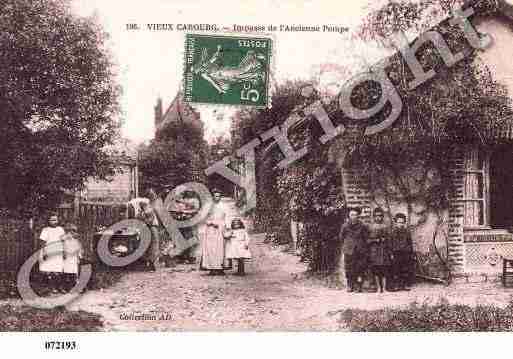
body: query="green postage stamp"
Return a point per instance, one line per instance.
(227, 70)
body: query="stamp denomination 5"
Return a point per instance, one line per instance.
(227, 70)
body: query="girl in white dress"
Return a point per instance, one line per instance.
(51, 260)
(238, 247)
(72, 255)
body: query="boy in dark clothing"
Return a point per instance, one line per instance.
(380, 251)
(354, 236)
(402, 257)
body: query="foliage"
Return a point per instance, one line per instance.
(430, 318)
(217, 150)
(25, 318)
(103, 277)
(167, 163)
(417, 16)
(312, 194)
(179, 152)
(461, 106)
(306, 191)
(58, 102)
(248, 125)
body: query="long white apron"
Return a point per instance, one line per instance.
(53, 249)
(212, 242)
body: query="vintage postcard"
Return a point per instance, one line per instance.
(180, 166)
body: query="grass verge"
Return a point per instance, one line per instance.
(440, 317)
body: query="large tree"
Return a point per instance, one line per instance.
(58, 102)
(167, 163)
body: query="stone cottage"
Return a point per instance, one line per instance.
(476, 229)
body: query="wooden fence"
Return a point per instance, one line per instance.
(19, 239)
(91, 216)
(17, 243)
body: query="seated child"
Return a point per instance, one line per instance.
(238, 246)
(51, 254)
(72, 255)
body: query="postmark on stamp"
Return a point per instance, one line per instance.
(227, 70)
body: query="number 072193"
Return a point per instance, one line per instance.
(58, 345)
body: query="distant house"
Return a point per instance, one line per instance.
(120, 186)
(178, 116)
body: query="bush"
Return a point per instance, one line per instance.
(430, 318)
(25, 318)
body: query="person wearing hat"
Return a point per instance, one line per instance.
(354, 236)
(402, 257)
(212, 238)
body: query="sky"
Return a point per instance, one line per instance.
(149, 63)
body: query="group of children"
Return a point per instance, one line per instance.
(59, 258)
(383, 253)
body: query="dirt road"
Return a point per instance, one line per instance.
(267, 298)
(273, 296)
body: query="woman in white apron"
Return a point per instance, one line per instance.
(212, 240)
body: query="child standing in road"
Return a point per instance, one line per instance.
(72, 255)
(238, 247)
(51, 254)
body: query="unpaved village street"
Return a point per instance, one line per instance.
(274, 295)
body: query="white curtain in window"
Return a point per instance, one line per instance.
(473, 209)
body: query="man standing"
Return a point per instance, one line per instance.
(140, 208)
(212, 241)
(147, 214)
(402, 247)
(354, 236)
